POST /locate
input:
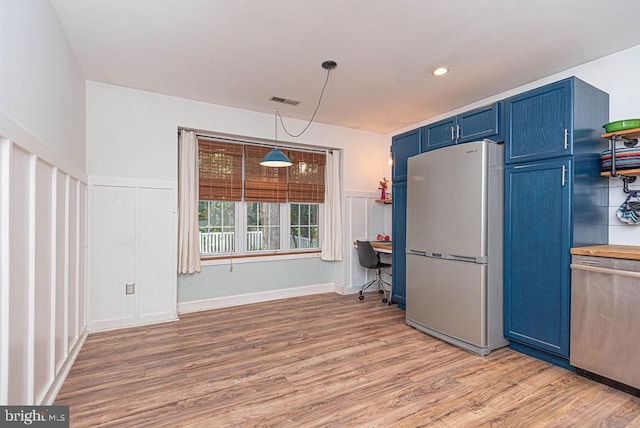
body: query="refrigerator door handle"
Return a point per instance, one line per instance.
(417, 252)
(466, 258)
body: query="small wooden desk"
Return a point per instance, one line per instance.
(380, 246)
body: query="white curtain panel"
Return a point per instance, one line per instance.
(188, 243)
(332, 219)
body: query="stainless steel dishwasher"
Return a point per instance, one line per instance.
(605, 319)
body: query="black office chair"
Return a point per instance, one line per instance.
(370, 259)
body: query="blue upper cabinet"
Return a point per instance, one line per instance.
(402, 146)
(476, 124)
(439, 134)
(539, 123)
(483, 122)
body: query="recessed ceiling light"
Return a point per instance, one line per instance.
(440, 71)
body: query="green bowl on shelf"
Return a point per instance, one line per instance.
(621, 125)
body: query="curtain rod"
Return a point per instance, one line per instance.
(258, 143)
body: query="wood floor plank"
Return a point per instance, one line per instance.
(316, 361)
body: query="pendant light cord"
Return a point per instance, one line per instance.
(312, 117)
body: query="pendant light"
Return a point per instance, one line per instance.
(276, 158)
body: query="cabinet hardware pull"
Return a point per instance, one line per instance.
(566, 139)
(606, 271)
(589, 263)
(457, 131)
(564, 170)
(452, 137)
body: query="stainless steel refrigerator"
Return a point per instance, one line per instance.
(454, 244)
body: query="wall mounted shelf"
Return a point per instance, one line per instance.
(632, 172)
(630, 138)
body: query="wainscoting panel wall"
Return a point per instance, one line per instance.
(133, 239)
(44, 329)
(72, 261)
(20, 293)
(42, 282)
(158, 261)
(61, 240)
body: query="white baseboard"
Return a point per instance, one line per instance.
(97, 326)
(56, 385)
(244, 299)
(345, 289)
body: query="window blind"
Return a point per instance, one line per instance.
(263, 184)
(306, 177)
(220, 171)
(221, 164)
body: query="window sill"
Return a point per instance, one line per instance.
(257, 258)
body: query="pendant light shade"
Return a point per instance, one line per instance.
(275, 159)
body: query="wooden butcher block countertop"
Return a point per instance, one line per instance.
(629, 252)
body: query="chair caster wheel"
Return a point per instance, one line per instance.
(384, 300)
(361, 297)
(380, 291)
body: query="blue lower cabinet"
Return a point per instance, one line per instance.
(537, 244)
(403, 146)
(398, 258)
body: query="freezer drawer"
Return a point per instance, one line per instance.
(605, 317)
(448, 297)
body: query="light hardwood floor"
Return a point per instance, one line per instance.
(323, 360)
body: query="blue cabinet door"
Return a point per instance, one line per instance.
(536, 259)
(398, 258)
(439, 134)
(539, 123)
(402, 146)
(473, 125)
(479, 123)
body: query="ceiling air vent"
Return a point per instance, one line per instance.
(285, 101)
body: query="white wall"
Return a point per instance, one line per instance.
(41, 85)
(617, 75)
(132, 134)
(42, 204)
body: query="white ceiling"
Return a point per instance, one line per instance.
(240, 53)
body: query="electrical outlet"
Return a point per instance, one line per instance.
(130, 288)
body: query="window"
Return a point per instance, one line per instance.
(263, 226)
(246, 208)
(304, 226)
(217, 226)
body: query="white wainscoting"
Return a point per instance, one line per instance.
(364, 219)
(133, 239)
(42, 272)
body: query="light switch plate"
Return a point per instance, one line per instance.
(130, 288)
